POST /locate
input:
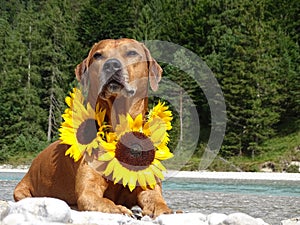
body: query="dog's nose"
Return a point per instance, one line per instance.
(112, 65)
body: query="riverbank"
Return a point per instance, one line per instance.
(212, 175)
(14, 169)
(197, 174)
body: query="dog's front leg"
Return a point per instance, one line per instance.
(90, 187)
(152, 202)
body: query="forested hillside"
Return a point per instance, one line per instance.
(252, 47)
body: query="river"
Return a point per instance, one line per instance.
(272, 201)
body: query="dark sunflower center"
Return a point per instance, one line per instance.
(135, 151)
(87, 131)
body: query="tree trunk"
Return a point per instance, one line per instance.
(29, 59)
(51, 109)
(180, 116)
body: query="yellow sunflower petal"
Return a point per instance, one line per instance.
(100, 115)
(163, 155)
(74, 152)
(118, 172)
(126, 177)
(132, 180)
(108, 146)
(82, 148)
(157, 172)
(129, 119)
(146, 129)
(110, 167)
(111, 137)
(137, 123)
(69, 151)
(158, 164)
(106, 156)
(90, 111)
(158, 135)
(67, 139)
(162, 146)
(142, 180)
(66, 129)
(123, 126)
(89, 147)
(69, 101)
(151, 181)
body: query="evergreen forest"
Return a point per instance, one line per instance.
(251, 46)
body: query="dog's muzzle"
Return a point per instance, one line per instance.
(116, 79)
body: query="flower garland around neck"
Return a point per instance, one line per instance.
(132, 152)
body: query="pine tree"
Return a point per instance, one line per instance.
(23, 114)
(285, 20)
(11, 82)
(58, 70)
(111, 19)
(150, 20)
(240, 43)
(40, 53)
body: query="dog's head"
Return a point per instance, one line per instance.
(122, 67)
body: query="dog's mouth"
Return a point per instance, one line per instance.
(117, 85)
(114, 86)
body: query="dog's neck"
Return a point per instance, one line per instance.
(116, 106)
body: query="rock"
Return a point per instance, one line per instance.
(51, 211)
(261, 221)
(6, 166)
(242, 219)
(4, 209)
(99, 218)
(295, 164)
(216, 218)
(42, 209)
(182, 219)
(14, 219)
(293, 221)
(146, 218)
(267, 167)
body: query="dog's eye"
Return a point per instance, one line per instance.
(131, 53)
(98, 56)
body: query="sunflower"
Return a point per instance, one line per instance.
(135, 149)
(160, 111)
(81, 126)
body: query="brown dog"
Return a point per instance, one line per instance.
(116, 73)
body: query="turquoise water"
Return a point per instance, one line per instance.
(8, 176)
(272, 201)
(270, 188)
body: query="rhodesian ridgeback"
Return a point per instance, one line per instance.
(116, 74)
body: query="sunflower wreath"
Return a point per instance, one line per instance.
(132, 152)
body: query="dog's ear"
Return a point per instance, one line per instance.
(82, 76)
(155, 71)
(80, 70)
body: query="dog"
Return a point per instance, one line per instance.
(115, 74)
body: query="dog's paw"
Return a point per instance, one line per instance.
(119, 209)
(154, 210)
